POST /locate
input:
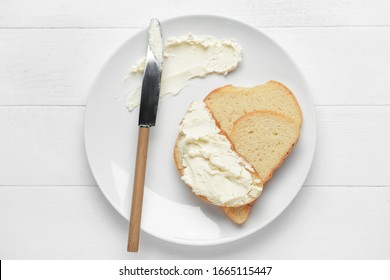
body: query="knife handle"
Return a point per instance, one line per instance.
(138, 190)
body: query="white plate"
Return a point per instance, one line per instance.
(171, 212)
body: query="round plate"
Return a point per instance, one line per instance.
(170, 210)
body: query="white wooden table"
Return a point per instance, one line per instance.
(50, 53)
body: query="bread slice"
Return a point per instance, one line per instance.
(229, 103)
(264, 139)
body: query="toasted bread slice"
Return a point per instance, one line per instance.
(229, 103)
(265, 139)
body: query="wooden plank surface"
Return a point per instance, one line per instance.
(78, 223)
(50, 53)
(123, 13)
(344, 66)
(57, 68)
(46, 145)
(352, 146)
(43, 146)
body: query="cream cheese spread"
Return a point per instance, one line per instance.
(210, 166)
(189, 57)
(155, 40)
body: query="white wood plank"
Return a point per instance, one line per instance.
(123, 13)
(342, 65)
(53, 67)
(45, 146)
(78, 223)
(352, 146)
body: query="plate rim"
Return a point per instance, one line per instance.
(222, 240)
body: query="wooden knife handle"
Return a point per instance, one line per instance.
(138, 190)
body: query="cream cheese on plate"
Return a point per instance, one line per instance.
(189, 57)
(210, 166)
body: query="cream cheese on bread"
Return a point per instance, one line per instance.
(189, 57)
(211, 167)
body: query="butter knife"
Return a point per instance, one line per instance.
(150, 94)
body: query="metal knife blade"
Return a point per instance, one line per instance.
(151, 82)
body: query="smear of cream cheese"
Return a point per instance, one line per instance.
(189, 57)
(155, 40)
(211, 167)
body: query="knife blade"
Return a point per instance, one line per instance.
(152, 77)
(150, 94)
